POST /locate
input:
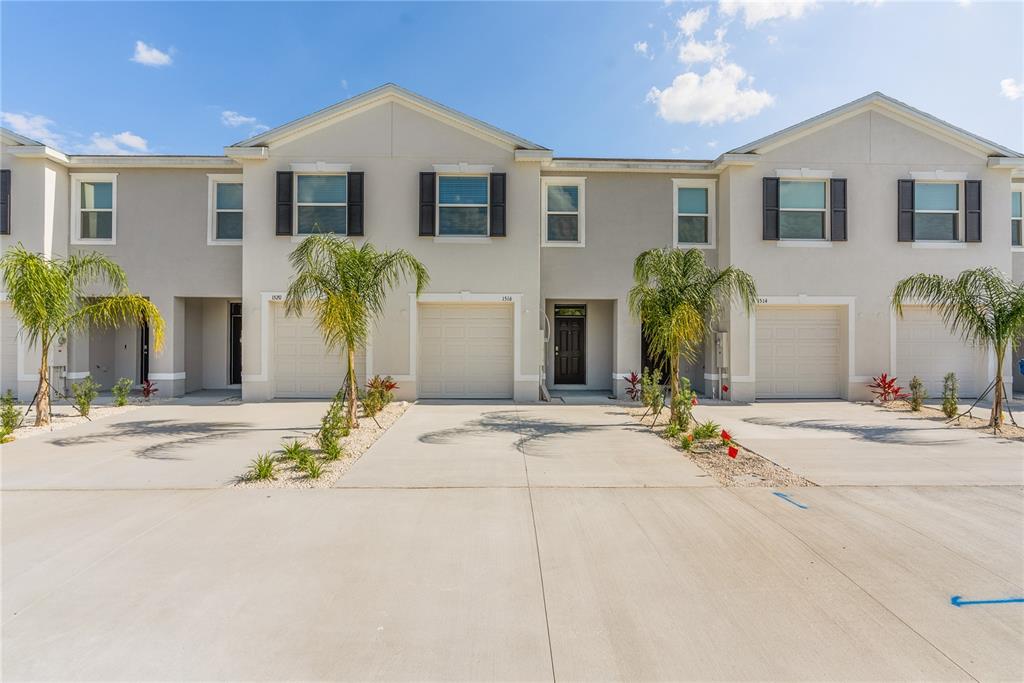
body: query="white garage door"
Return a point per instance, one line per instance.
(798, 352)
(8, 350)
(302, 366)
(924, 347)
(465, 351)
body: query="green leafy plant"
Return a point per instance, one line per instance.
(10, 418)
(121, 389)
(295, 451)
(677, 297)
(682, 405)
(686, 442)
(983, 306)
(917, 393)
(84, 393)
(347, 288)
(48, 297)
(706, 430)
(313, 468)
(263, 467)
(332, 451)
(950, 395)
(672, 431)
(651, 391)
(373, 402)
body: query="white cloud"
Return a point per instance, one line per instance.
(643, 49)
(712, 143)
(234, 119)
(118, 143)
(33, 126)
(694, 51)
(344, 83)
(150, 56)
(1011, 89)
(723, 94)
(772, 40)
(758, 11)
(691, 22)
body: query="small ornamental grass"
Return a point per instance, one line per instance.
(313, 468)
(263, 467)
(706, 430)
(295, 451)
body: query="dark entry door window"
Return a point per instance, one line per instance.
(235, 331)
(570, 344)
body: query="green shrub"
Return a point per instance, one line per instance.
(10, 418)
(263, 467)
(950, 395)
(706, 430)
(313, 468)
(917, 393)
(686, 441)
(373, 403)
(673, 431)
(294, 451)
(682, 404)
(332, 451)
(651, 391)
(85, 392)
(121, 389)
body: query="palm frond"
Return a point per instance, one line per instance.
(120, 309)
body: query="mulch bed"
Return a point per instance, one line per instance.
(975, 424)
(746, 469)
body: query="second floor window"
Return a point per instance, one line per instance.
(462, 206)
(1016, 225)
(94, 216)
(692, 215)
(802, 209)
(228, 208)
(321, 204)
(936, 211)
(563, 211)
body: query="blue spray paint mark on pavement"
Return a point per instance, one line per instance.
(958, 601)
(785, 497)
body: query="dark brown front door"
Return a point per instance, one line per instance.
(235, 330)
(570, 345)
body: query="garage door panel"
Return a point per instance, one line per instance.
(303, 368)
(926, 348)
(798, 352)
(465, 351)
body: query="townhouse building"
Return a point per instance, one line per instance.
(530, 254)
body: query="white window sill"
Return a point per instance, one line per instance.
(223, 243)
(463, 239)
(938, 244)
(693, 245)
(566, 243)
(88, 241)
(804, 244)
(298, 238)
(1017, 249)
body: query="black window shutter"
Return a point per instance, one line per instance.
(355, 203)
(771, 209)
(284, 203)
(428, 202)
(905, 225)
(837, 188)
(972, 200)
(498, 205)
(5, 201)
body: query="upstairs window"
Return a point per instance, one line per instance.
(693, 222)
(563, 211)
(802, 209)
(321, 204)
(225, 200)
(95, 197)
(936, 211)
(1016, 226)
(462, 205)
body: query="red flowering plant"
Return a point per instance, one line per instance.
(726, 437)
(148, 389)
(633, 386)
(885, 388)
(733, 452)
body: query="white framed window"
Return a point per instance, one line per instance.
(803, 209)
(1016, 219)
(321, 203)
(937, 211)
(463, 208)
(693, 213)
(224, 200)
(93, 208)
(562, 210)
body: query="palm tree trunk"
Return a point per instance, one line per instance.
(996, 420)
(43, 392)
(673, 364)
(352, 390)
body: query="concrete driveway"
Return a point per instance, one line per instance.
(840, 443)
(496, 541)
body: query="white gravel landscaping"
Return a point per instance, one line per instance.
(288, 476)
(63, 416)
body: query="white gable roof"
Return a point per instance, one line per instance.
(9, 137)
(388, 92)
(893, 107)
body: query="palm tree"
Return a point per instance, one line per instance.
(49, 299)
(347, 287)
(677, 297)
(982, 305)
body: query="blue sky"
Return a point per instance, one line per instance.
(681, 79)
